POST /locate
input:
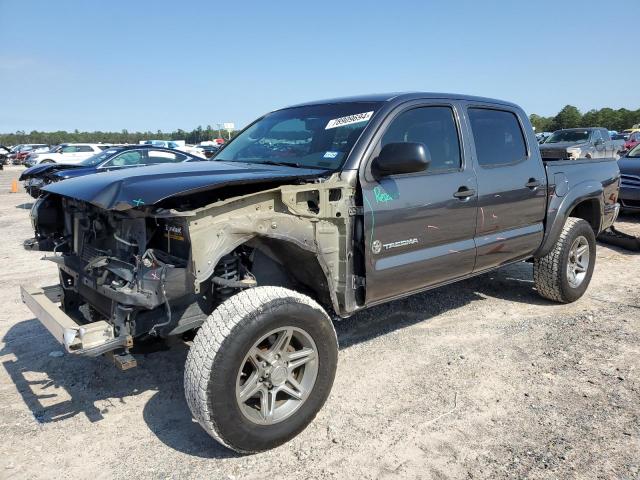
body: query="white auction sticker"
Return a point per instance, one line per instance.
(348, 120)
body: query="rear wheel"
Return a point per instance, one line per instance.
(564, 273)
(260, 368)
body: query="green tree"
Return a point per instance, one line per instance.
(568, 117)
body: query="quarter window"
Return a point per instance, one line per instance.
(497, 136)
(160, 156)
(435, 128)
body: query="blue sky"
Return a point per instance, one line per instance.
(148, 65)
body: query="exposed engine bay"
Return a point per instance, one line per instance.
(161, 271)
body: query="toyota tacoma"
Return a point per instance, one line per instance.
(311, 214)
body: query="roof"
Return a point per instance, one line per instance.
(404, 96)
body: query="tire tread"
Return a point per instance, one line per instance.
(241, 308)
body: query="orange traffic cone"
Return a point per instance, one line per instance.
(14, 186)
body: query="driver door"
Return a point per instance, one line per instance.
(419, 227)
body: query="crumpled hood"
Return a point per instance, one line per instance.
(46, 168)
(561, 145)
(144, 186)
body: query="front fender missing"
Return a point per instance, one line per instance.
(314, 217)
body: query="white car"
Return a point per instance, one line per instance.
(68, 153)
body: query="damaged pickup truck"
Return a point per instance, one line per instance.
(311, 213)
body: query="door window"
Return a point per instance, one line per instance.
(596, 136)
(84, 148)
(126, 159)
(69, 149)
(435, 128)
(497, 136)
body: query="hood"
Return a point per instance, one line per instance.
(561, 145)
(145, 186)
(46, 168)
(629, 166)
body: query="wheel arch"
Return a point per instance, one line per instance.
(584, 200)
(284, 262)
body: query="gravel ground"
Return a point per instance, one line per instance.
(480, 379)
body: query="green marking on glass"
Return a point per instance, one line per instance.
(138, 202)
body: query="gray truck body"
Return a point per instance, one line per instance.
(596, 144)
(347, 237)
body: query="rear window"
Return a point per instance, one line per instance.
(497, 136)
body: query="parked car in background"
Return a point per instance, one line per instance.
(4, 155)
(162, 143)
(19, 153)
(209, 150)
(176, 145)
(632, 141)
(542, 136)
(114, 158)
(574, 143)
(620, 136)
(629, 166)
(68, 153)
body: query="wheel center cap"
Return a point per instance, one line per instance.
(279, 375)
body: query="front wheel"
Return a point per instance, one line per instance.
(564, 273)
(260, 368)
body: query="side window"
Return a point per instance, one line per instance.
(596, 135)
(126, 159)
(69, 149)
(161, 156)
(435, 127)
(84, 148)
(497, 136)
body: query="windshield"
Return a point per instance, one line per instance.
(99, 158)
(634, 152)
(568, 136)
(316, 136)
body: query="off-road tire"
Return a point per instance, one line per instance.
(211, 369)
(550, 271)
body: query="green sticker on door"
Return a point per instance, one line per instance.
(382, 196)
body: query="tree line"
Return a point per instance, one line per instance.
(571, 117)
(568, 117)
(195, 136)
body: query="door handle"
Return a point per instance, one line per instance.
(464, 192)
(532, 184)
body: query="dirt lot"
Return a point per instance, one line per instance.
(480, 379)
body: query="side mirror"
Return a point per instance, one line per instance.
(398, 158)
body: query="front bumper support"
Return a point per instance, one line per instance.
(91, 339)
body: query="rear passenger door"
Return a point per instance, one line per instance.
(419, 227)
(511, 185)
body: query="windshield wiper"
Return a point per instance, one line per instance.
(287, 164)
(281, 164)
